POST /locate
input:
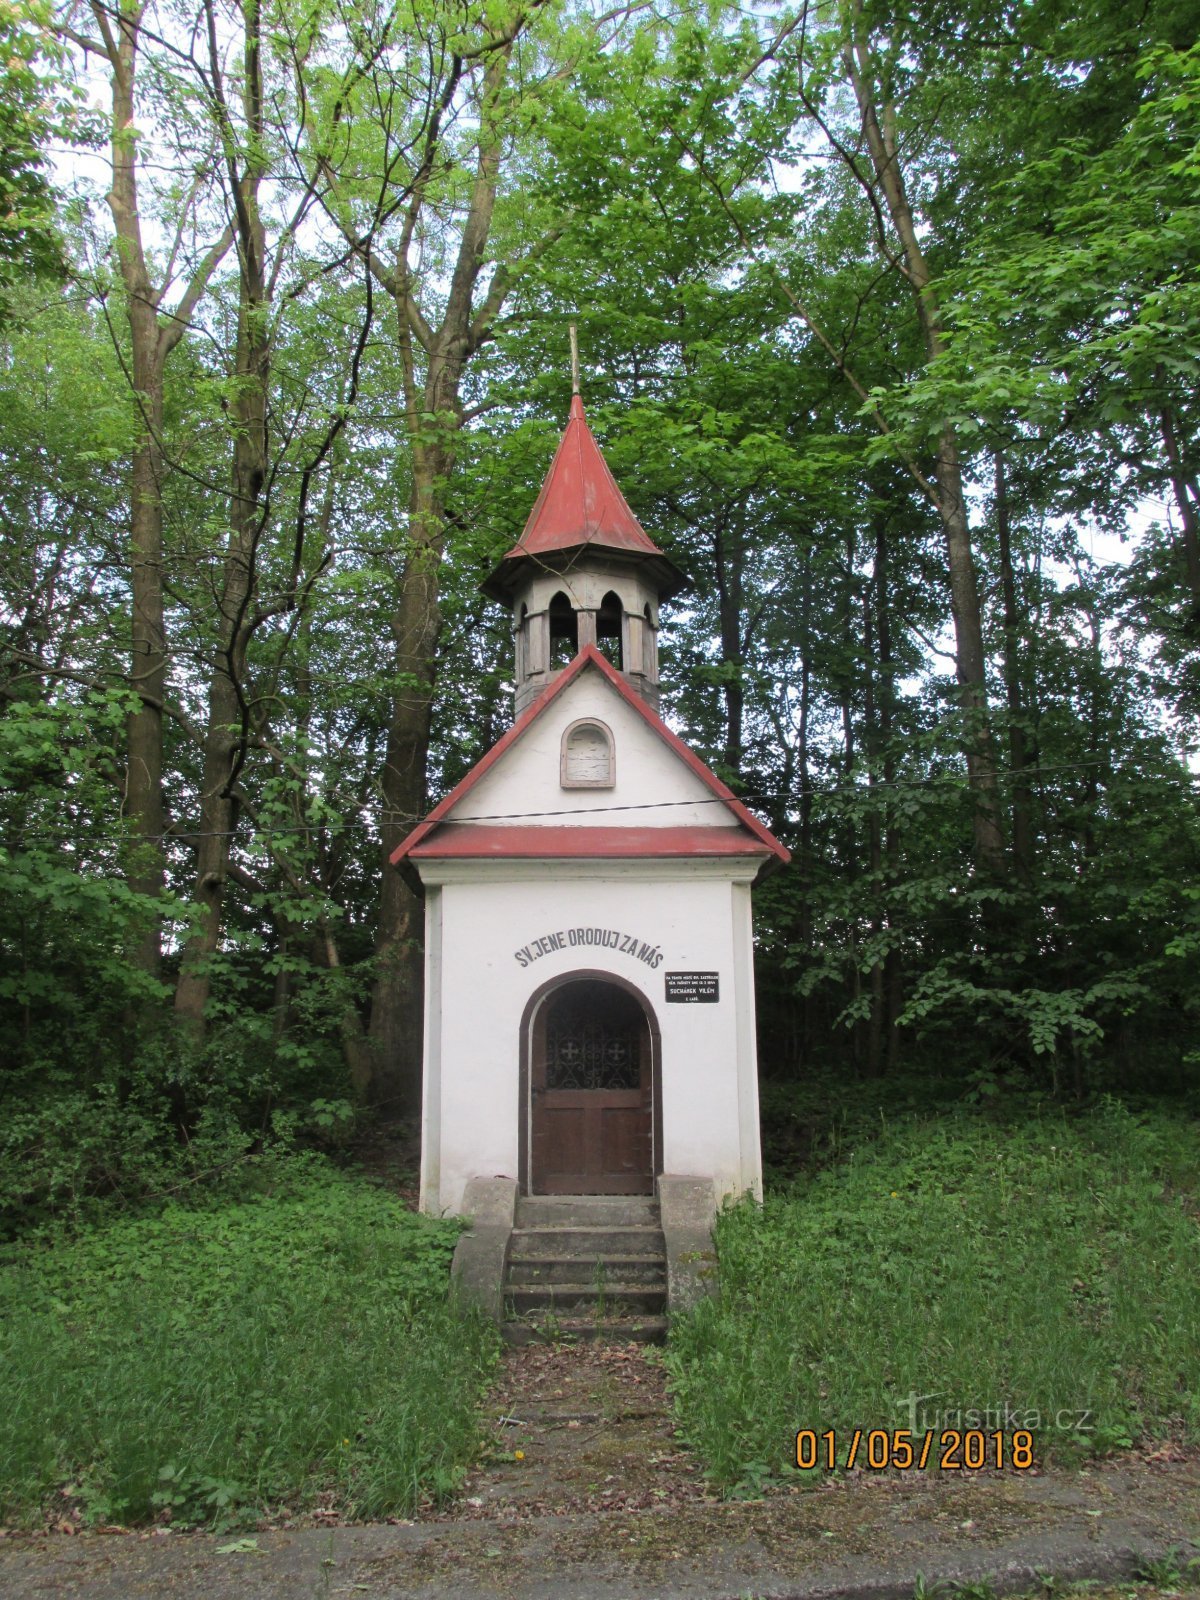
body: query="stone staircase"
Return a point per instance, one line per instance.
(585, 1267)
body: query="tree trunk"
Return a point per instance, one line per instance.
(851, 863)
(871, 740)
(144, 728)
(729, 555)
(148, 663)
(893, 976)
(434, 418)
(1184, 488)
(1098, 701)
(1022, 808)
(878, 127)
(806, 796)
(228, 714)
(151, 342)
(396, 1004)
(225, 726)
(970, 658)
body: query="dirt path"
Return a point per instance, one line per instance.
(579, 1428)
(584, 1493)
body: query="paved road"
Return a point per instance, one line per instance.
(866, 1538)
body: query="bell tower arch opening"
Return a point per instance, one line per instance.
(564, 632)
(610, 630)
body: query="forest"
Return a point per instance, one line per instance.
(889, 319)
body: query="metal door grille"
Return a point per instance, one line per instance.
(593, 1042)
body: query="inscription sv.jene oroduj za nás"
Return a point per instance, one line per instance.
(602, 938)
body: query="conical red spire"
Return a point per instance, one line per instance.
(580, 505)
(580, 502)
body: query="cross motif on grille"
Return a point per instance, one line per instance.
(591, 1047)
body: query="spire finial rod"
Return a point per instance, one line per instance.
(574, 360)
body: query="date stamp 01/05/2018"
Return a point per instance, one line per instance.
(950, 1450)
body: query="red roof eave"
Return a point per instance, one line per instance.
(484, 841)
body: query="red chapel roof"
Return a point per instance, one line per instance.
(440, 837)
(580, 506)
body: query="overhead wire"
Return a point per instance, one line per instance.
(863, 788)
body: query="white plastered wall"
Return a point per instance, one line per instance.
(695, 915)
(648, 773)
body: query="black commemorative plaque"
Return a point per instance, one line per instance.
(693, 988)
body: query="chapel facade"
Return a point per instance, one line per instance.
(589, 973)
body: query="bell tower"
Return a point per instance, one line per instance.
(583, 572)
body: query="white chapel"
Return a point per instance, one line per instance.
(589, 966)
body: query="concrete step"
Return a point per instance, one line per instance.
(569, 1240)
(615, 1298)
(585, 1267)
(586, 1211)
(609, 1330)
(647, 1267)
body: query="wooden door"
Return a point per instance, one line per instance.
(591, 1084)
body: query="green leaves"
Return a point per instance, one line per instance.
(1045, 1020)
(33, 108)
(67, 917)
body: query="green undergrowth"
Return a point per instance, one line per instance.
(223, 1363)
(969, 1272)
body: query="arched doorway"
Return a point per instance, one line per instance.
(590, 1089)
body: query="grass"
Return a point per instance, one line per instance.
(215, 1365)
(1046, 1265)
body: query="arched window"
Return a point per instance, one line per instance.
(609, 623)
(587, 760)
(564, 632)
